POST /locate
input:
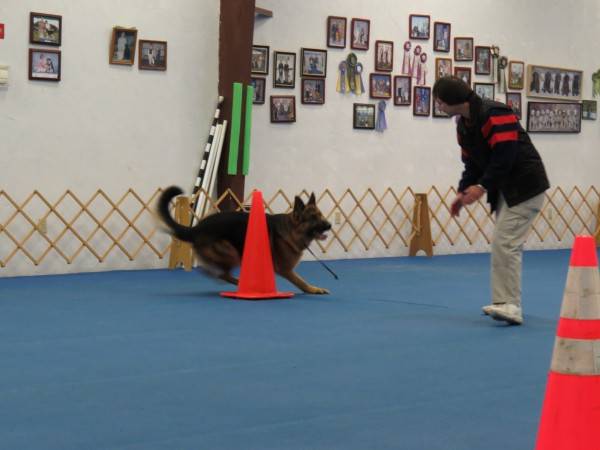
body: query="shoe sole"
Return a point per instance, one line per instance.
(510, 319)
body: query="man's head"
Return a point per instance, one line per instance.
(452, 93)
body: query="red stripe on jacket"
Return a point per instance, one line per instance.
(502, 137)
(497, 120)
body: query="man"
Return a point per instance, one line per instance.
(500, 160)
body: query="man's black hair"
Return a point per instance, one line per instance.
(452, 90)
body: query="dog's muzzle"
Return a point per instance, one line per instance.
(320, 229)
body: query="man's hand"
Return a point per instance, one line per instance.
(456, 205)
(472, 194)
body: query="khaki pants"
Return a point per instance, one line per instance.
(512, 225)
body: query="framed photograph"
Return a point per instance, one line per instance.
(284, 69)
(553, 117)
(260, 59)
(122, 46)
(283, 108)
(463, 49)
(419, 26)
(384, 56)
(153, 55)
(589, 109)
(44, 64)
(483, 60)
(554, 82)
(364, 116)
(314, 62)
(402, 90)
(313, 91)
(485, 90)
(437, 112)
(359, 34)
(380, 85)
(422, 101)
(516, 74)
(336, 32)
(443, 67)
(464, 73)
(441, 37)
(45, 29)
(259, 90)
(513, 100)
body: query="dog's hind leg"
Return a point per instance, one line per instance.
(226, 276)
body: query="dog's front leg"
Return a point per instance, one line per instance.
(297, 280)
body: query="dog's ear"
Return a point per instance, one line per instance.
(298, 206)
(312, 200)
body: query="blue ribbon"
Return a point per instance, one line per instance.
(381, 122)
(342, 78)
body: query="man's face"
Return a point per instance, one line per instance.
(451, 110)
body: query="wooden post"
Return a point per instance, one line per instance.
(422, 236)
(181, 252)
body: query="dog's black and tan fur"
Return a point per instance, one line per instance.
(218, 239)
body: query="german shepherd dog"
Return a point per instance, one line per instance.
(218, 239)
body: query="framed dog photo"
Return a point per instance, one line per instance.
(359, 34)
(553, 117)
(441, 37)
(153, 55)
(485, 90)
(402, 90)
(516, 75)
(513, 100)
(464, 73)
(336, 32)
(422, 101)
(554, 82)
(259, 62)
(284, 69)
(122, 46)
(380, 85)
(45, 29)
(384, 56)
(44, 64)
(419, 26)
(283, 108)
(463, 49)
(313, 91)
(589, 109)
(443, 67)
(259, 90)
(314, 62)
(483, 60)
(363, 117)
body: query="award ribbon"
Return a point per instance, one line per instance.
(341, 82)
(381, 122)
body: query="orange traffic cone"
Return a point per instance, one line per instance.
(571, 413)
(257, 277)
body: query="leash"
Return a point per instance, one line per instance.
(323, 264)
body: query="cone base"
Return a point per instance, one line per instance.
(257, 295)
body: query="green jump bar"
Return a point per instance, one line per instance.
(234, 139)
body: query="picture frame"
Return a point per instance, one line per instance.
(419, 26)
(45, 29)
(259, 85)
(554, 83)
(384, 56)
(313, 91)
(422, 101)
(336, 31)
(380, 85)
(441, 36)
(463, 49)
(553, 117)
(363, 116)
(514, 101)
(360, 34)
(44, 64)
(283, 108)
(314, 62)
(284, 69)
(443, 67)
(485, 90)
(122, 46)
(464, 73)
(259, 63)
(437, 112)
(589, 109)
(516, 75)
(483, 60)
(402, 90)
(152, 55)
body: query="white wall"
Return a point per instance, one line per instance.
(321, 150)
(106, 126)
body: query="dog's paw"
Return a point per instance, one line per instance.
(317, 290)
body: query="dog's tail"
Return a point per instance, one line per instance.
(181, 232)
